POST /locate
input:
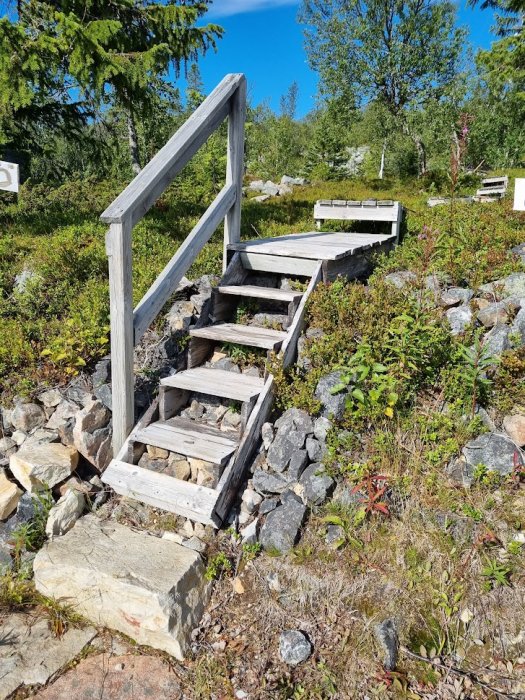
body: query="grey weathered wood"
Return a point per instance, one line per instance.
(501, 180)
(171, 401)
(129, 452)
(254, 292)
(299, 267)
(234, 473)
(118, 248)
(162, 491)
(235, 165)
(216, 382)
(238, 334)
(289, 347)
(199, 350)
(144, 190)
(189, 439)
(235, 272)
(166, 283)
(313, 246)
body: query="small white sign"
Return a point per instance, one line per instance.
(9, 176)
(519, 194)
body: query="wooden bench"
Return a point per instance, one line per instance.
(355, 210)
(493, 186)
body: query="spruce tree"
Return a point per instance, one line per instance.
(106, 52)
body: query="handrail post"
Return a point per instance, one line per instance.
(118, 248)
(235, 165)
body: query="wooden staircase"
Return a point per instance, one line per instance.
(166, 425)
(228, 450)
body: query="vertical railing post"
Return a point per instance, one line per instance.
(118, 248)
(235, 165)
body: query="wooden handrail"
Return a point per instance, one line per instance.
(166, 283)
(127, 326)
(149, 184)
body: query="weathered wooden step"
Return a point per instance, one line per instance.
(190, 439)
(253, 336)
(217, 382)
(254, 292)
(162, 491)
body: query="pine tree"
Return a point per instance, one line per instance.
(109, 52)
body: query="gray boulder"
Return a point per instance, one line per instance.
(268, 505)
(519, 250)
(287, 180)
(386, 635)
(281, 528)
(333, 405)
(297, 465)
(518, 326)
(454, 296)
(283, 447)
(315, 449)
(401, 279)
(268, 483)
(316, 484)
(295, 419)
(102, 373)
(497, 340)
(497, 452)
(294, 647)
(493, 314)
(511, 286)
(28, 416)
(321, 427)
(459, 318)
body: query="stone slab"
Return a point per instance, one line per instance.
(107, 677)
(30, 654)
(151, 589)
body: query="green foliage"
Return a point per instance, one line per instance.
(31, 536)
(218, 565)
(467, 378)
(119, 53)
(400, 55)
(371, 390)
(496, 574)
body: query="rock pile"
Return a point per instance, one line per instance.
(497, 307)
(271, 189)
(288, 477)
(60, 439)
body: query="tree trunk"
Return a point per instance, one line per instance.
(133, 145)
(421, 156)
(382, 166)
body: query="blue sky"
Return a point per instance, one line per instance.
(263, 40)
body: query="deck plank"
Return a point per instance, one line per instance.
(312, 245)
(270, 293)
(253, 336)
(190, 439)
(217, 382)
(162, 491)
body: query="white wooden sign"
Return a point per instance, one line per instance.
(519, 194)
(9, 179)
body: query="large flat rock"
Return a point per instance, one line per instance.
(149, 588)
(115, 678)
(30, 654)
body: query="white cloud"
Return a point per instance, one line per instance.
(222, 8)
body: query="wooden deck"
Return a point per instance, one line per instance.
(313, 245)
